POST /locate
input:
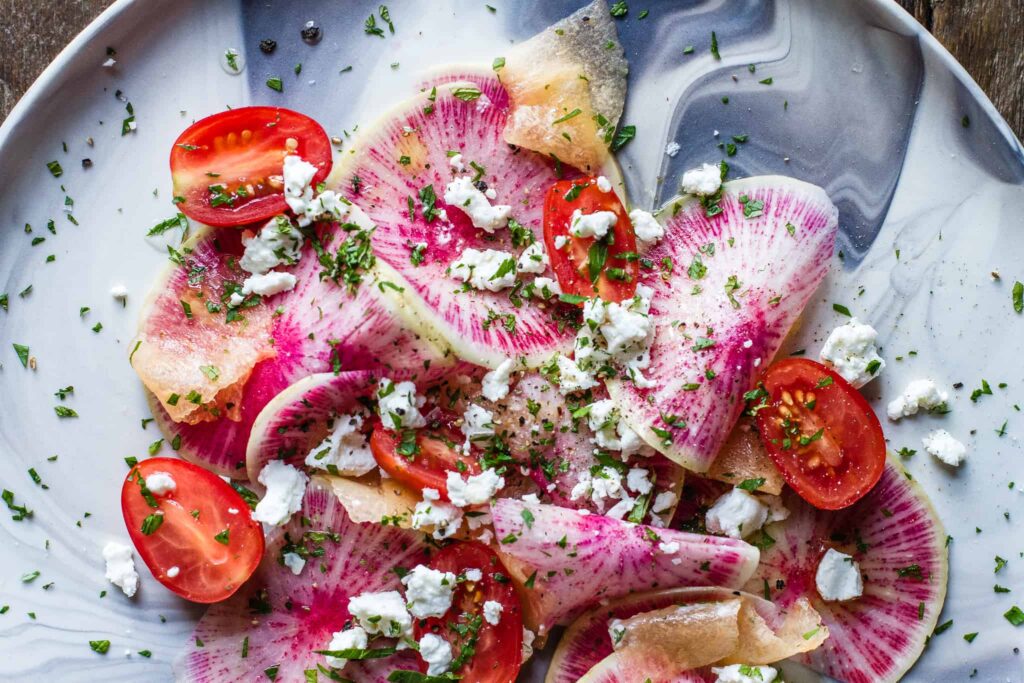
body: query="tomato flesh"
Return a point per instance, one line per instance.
(428, 467)
(586, 266)
(497, 647)
(227, 168)
(821, 433)
(213, 549)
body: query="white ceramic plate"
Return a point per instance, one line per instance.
(929, 209)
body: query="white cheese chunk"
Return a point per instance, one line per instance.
(490, 269)
(495, 383)
(475, 490)
(463, 195)
(160, 483)
(702, 181)
(850, 350)
(595, 224)
(294, 562)
(571, 378)
(603, 184)
(285, 487)
(352, 639)
(672, 148)
(945, 447)
(436, 652)
(399, 405)
(492, 612)
(647, 229)
(921, 393)
(298, 194)
(383, 613)
(533, 259)
(744, 673)
(428, 592)
(346, 450)
(477, 425)
(120, 569)
(736, 514)
(444, 519)
(838, 577)
(545, 288)
(268, 284)
(277, 243)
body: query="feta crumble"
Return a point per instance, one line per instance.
(490, 269)
(594, 225)
(285, 487)
(850, 350)
(545, 288)
(672, 148)
(383, 613)
(120, 569)
(268, 284)
(743, 673)
(476, 490)
(571, 378)
(428, 592)
(492, 612)
(616, 632)
(610, 431)
(399, 405)
(457, 163)
(352, 639)
(736, 514)
(119, 292)
(298, 194)
(663, 501)
(838, 577)
(160, 483)
(561, 241)
(477, 424)
(921, 393)
(463, 195)
(647, 229)
(345, 450)
(444, 518)
(702, 181)
(619, 331)
(277, 243)
(638, 480)
(495, 382)
(295, 563)
(945, 447)
(533, 259)
(436, 652)
(603, 184)
(173, 571)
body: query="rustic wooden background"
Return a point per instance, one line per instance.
(987, 36)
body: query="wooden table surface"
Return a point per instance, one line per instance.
(987, 36)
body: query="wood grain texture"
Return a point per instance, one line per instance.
(986, 36)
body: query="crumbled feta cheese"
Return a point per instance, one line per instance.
(545, 288)
(295, 562)
(436, 652)
(595, 224)
(160, 483)
(476, 490)
(463, 195)
(610, 432)
(571, 378)
(921, 393)
(473, 575)
(444, 518)
(121, 567)
(495, 382)
(702, 181)
(399, 405)
(477, 424)
(533, 259)
(278, 242)
(743, 673)
(457, 163)
(838, 577)
(603, 184)
(528, 638)
(119, 292)
(428, 592)
(624, 328)
(672, 148)
(561, 241)
(489, 269)
(639, 480)
(109, 63)
(345, 450)
(173, 571)
(850, 350)
(647, 229)
(603, 484)
(669, 548)
(621, 332)
(328, 205)
(492, 612)
(383, 613)
(352, 639)
(945, 447)
(285, 487)
(298, 194)
(268, 284)
(736, 514)
(663, 501)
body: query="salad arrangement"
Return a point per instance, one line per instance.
(459, 394)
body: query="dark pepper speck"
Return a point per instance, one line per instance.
(311, 33)
(267, 46)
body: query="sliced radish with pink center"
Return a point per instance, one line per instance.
(278, 619)
(576, 560)
(318, 326)
(408, 151)
(721, 318)
(899, 544)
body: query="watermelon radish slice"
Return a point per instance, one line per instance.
(743, 457)
(737, 283)
(578, 559)
(405, 158)
(899, 543)
(758, 632)
(278, 619)
(318, 326)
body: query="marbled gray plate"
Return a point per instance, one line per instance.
(928, 179)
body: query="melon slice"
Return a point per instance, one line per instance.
(567, 87)
(660, 641)
(577, 559)
(899, 543)
(730, 288)
(278, 619)
(743, 457)
(320, 325)
(405, 158)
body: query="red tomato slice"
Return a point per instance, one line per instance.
(821, 433)
(428, 467)
(586, 266)
(214, 549)
(497, 648)
(227, 168)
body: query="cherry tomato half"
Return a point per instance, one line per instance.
(821, 433)
(227, 168)
(586, 266)
(425, 464)
(199, 539)
(496, 648)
